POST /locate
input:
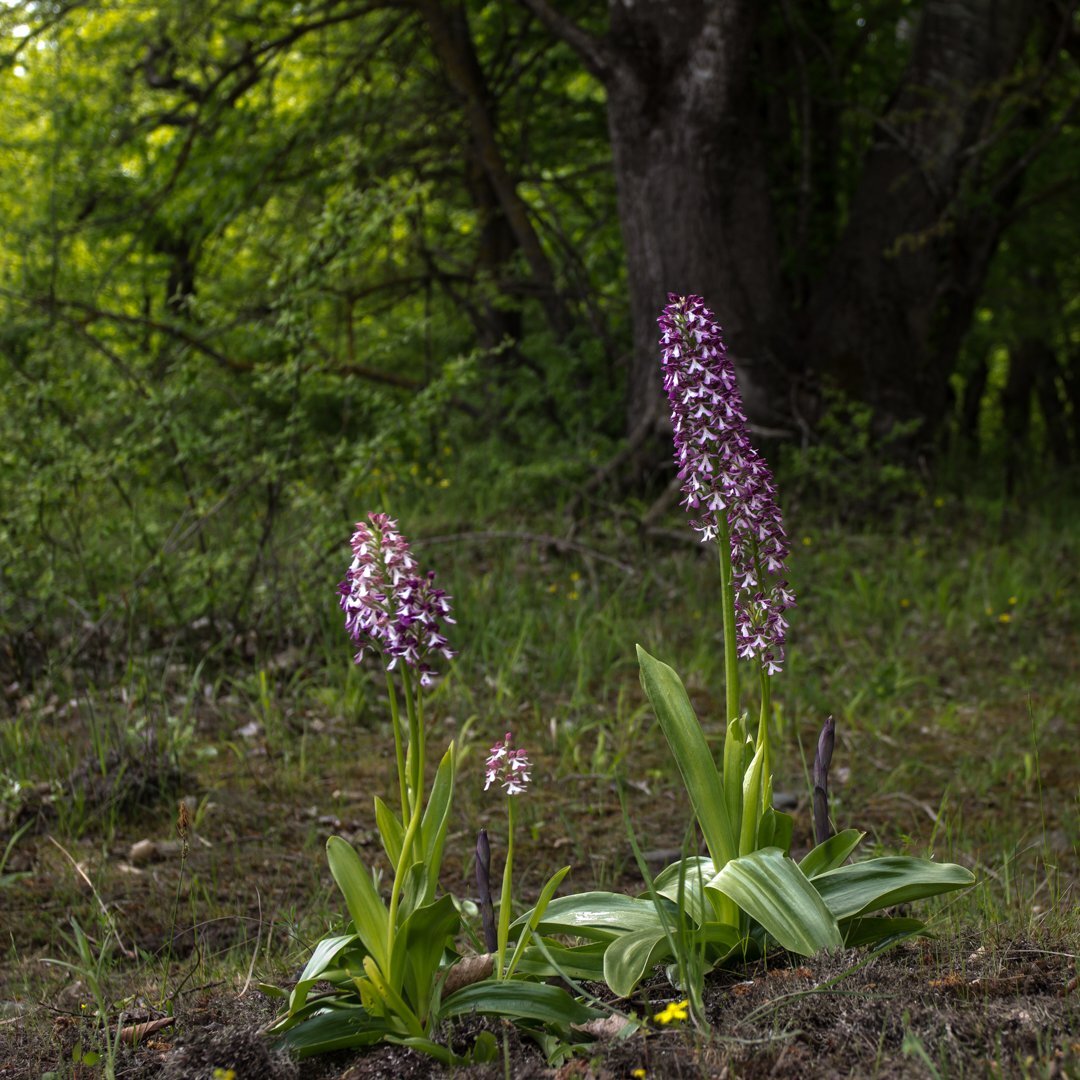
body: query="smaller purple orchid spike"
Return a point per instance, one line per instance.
(483, 885)
(508, 767)
(388, 606)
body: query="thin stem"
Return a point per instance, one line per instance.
(504, 901)
(415, 757)
(399, 748)
(763, 739)
(727, 606)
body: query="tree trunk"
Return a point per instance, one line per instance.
(692, 182)
(891, 310)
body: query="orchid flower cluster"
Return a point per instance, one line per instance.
(725, 481)
(388, 605)
(508, 767)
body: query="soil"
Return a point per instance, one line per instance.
(926, 1008)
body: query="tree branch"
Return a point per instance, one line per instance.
(594, 52)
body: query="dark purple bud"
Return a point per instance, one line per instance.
(822, 759)
(483, 886)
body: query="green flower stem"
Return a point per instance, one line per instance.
(504, 901)
(415, 759)
(763, 740)
(727, 606)
(399, 748)
(415, 754)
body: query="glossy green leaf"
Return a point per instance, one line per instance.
(533, 919)
(874, 884)
(734, 769)
(829, 854)
(369, 915)
(629, 958)
(872, 929)
(599, 915)
(771, 889)
(776, 829)
(751, 802)
(695, 872)
(334, 1027)
(390, 830)
(519, 1001)
(680, 726)
(419, 950)
(558, 961)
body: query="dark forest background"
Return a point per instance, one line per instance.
(264, 266)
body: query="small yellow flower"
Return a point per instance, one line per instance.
(1013, 601)
(905, 602)
(673, 1013)
(989, 610)
(575, 576)
(1004, 617)
(807, 541)
(639, 1074)
(224, 1074)
(553, 588)
(444, 483)
(572, 595)
(939, 502)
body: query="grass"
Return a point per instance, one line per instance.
(944, 648)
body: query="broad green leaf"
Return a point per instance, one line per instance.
(874, 884)
(419, 950)
(537, 913)
(871, 929)
(771, 889)
(734, 769)
(695, 872)
(776, 829)
(692, 754)
(369, 915)
(600, 916)
(390, 830)
(829, 854)
(558, 961)
(334, 1028)
(751, 802)
(395, 1004)
(324, 954)
(629, 958)
(518, 1001)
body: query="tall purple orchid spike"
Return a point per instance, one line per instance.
(724, 479)
(388, 605)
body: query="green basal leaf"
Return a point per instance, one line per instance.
(751, 802)
(436, 819)
(537, 913)
(369, 915)
(874, 884)
(559, 961)
(771, 889)
(325, 953)
(734, 769)
(338, 1027)
(397, 1007)
(424, 937)
(873, 930)
(829, 854)
(600, 916)
(695, 872)
(519, 1001)
(776, 830)
(629, 958)
(390, 830)
(680, 725)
